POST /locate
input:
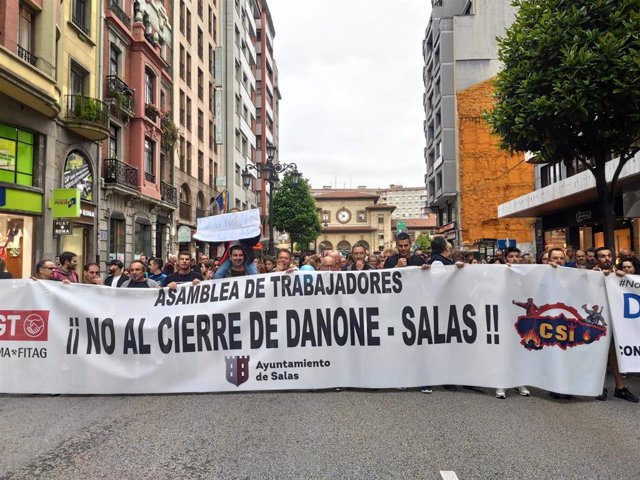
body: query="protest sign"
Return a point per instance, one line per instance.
(229, 226)
(483, 325)
(624, 301)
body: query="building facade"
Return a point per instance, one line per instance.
(267, 103)
(489, 176)
(51, 121)
(349, 217)
(409, 201)
(564, 203)
(138, 195)
(239, 32)
(459, 51)
(197, 89)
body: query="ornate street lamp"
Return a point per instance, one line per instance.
(269, 171)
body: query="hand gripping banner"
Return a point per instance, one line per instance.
(482, 325)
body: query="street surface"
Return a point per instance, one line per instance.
(327, 434)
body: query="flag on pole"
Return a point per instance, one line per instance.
(223, 202)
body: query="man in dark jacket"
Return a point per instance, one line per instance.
(440, 252)
(403, 258)
(358, 255)
(115, 277)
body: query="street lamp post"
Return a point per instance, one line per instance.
(270, 171)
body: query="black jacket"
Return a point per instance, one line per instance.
(109, 280)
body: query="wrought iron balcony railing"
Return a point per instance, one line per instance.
(168, 193)
(119, 12)
(27, 56)
(121, 94)
(87, 109)
(115, 171)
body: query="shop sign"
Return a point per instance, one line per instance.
(3, 196)
(583, 216)
(218, 113)
(62, 227)
(78, 174)
(88, 211)
(184, 234)
(66, 203)
(446, 228)
(102, 235)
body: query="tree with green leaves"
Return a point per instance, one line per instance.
(294, 211)
(569, 90)
(423, 242)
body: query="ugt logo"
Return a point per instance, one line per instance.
(558, 324)
(237, 369)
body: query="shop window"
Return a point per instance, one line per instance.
(17, 156)
(117, 237)
(16, 244)
(142, 238)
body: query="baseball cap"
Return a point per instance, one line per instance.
(118, 263)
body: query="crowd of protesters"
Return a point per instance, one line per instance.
(146, 272)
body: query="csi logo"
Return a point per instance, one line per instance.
(237, 369)
(24, 325)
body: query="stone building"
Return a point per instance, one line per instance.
(349, 216)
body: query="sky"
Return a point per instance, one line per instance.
(350, 75)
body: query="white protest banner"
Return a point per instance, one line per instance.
(229, 226)
(624, 301)
(482, 325)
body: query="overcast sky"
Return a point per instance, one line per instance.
(351, 82)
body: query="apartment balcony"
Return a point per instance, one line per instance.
(27, 56)
(122, 98)
(29, 80)
(151, 112)
(119, 12)
(119, 173)
(88, 117)
(185, 210)
(168, 193)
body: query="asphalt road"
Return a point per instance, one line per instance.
(349, 434)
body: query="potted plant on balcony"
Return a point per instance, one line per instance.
(87, 108)
(151, 112)
(169, 132)
(123, 101)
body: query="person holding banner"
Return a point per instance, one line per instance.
(184, 274)
(67, 268)
(404, 258)
(44, 271)
(138, 277)
(605, 265)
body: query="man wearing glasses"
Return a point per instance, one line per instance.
(44, 270)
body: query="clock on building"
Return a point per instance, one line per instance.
(343, 215)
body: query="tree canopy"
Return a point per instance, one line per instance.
(294, 211)
(423, 241)
(570, 86)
